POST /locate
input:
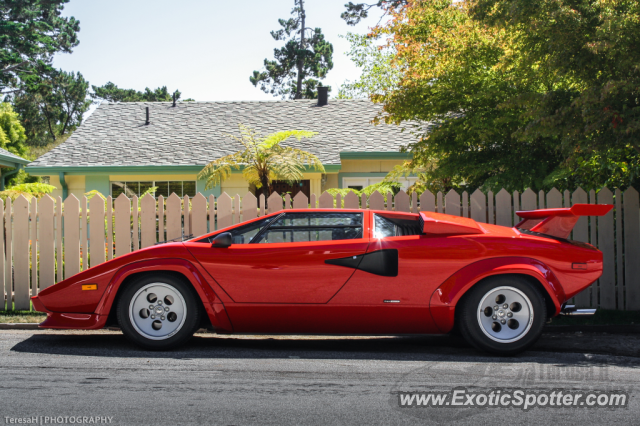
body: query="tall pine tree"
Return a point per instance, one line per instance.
(305, 57)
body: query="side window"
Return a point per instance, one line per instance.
(306, 227)
(244, 234)
(394, 227)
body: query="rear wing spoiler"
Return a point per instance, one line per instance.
(559, 222)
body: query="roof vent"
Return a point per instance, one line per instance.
(147, 121)
(323, 95)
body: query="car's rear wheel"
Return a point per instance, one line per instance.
(502, 315)
(158, 312)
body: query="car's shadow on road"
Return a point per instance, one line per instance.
(616, 349)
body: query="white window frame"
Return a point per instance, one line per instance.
(406, 182)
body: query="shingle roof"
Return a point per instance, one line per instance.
(9, 157)
(193, 133)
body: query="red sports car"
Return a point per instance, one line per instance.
(340, 271)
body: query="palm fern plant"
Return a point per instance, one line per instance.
(263, 160)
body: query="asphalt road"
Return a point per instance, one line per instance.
(266, 380)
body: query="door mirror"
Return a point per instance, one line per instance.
(223, 240)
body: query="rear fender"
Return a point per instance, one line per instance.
(212, 303)
(444, 299)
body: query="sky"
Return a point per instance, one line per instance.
(205, 48)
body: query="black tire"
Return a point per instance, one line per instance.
(471, 315)
(189, 321)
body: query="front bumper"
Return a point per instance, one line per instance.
(68, 321)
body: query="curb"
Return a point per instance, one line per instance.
(19, 326)
(611, 329)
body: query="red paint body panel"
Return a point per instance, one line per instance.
(288, 287)
(438, 223)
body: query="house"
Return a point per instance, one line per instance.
(9, 161)
(130, 147)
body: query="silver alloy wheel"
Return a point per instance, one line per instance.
(157, 311)
(505, 314)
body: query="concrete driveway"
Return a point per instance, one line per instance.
(298, 380)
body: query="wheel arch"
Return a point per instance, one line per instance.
(446, 297)
(179, 268)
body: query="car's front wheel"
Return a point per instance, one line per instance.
(502, 315)
(158, 312)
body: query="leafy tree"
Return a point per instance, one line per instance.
(31, 32)
(305, 57)
(455, 91)
(54, 107)
(12, 134)
(355, 12)
(594, 46)
(112, 93)
(378, 74)
(263, 160)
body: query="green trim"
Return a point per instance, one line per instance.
(361, 155)
(12, 160)
(139, 170)
(5, 163)
(115, 170)
(63, 184)
(332, 168)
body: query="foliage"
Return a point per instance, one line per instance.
(32, 31)
(355, 12)
(593, 45)
(54, 107)
(382, 187)
(112, 93)
(517, 94)
(456, 93)
(263, 160)
(29, 190)
(305, 57)
(378, 76)
(12, 134)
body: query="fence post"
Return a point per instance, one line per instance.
(325, 201)
(250, 206)
(97, 248)
(401, 202)
(479, 206)
(224, 216)
(123, 225)
(174, 217)
(21, 253)
(34, 246)
(376, 201)
(148, 221)
(452, 203)
(503, 208)
(300, 201)
(46, 242)
(427, 202)
(9, 254)
(581, 233)
(605, 244)
(631, 248)
(199, 215)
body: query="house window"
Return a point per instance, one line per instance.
(359, 183)
(164, 188)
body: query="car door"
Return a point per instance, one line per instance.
(282, 260)
(396, 302)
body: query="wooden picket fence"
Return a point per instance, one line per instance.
(47, 240)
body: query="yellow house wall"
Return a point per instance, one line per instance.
(75, 185)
